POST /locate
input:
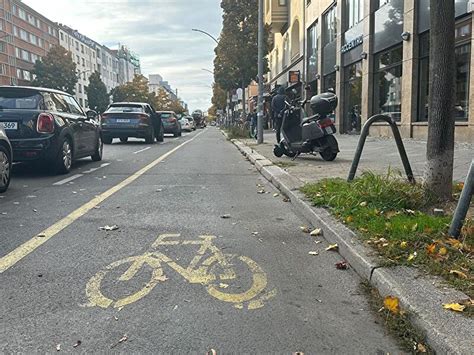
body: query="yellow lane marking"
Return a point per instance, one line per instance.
(31, 245)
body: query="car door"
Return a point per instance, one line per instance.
(154, 119)
(87, 127)
(58, 105)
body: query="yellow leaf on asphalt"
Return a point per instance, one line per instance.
(458, 274)
(392, 304)
(454, 307)
(317, 232)
(314, 253)
(305, 229)
(332, 247)
(443, 251)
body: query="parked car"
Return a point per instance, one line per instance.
(191, 122)
(170, 122)
(5, 160)
(131, 119)
(50, 126)
(185, 124)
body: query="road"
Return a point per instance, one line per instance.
(175, 276)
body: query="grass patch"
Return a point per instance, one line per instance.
(237, 132)
(399, 325)
(285, 164)
(395, 218)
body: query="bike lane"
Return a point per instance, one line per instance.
(253, 286)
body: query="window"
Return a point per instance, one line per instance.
(15, 31)
(40, 42)
(82, 48)
(17, 52)
(77, 45)
(79, 88)
(38, 23)
(22, 14)
(83, 62)
(78, 59)
(62, 36)
(3, 69)
(33, 39)
(282, 2)
(330, 26)
(329, 82)
(286, 50)
(17, 99)
(354, 12)
(312, 52)
(73, 105)
(26, 75)
(388, 82)
(31, 19)
(380, 3)
(463, 63)
(2, 47)
(18, 74)
(25, 55)
(295, 39)
(81, 102)
(56, 102)
(34, 58)
(23, 35)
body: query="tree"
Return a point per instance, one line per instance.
(177, 107)
(135, 91)
(219, 98)
(56, 70)
(97, 95)
(162, 100)
(438, 174)
(236, 62)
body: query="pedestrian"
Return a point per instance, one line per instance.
(278, 106)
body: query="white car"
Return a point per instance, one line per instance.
(185, 124)
(6, 158)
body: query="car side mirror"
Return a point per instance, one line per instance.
(91, 115)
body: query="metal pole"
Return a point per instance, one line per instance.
(463, 205)
(260, 73)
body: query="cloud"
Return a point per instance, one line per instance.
(158, 30)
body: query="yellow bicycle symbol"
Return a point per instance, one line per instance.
(210, 271)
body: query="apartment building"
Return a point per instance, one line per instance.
(128, 64)
(108, 67)
(25, 36)
(375, 55)
(156, 82)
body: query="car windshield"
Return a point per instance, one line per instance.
(126, 109)
(166, 115)
(20, 99)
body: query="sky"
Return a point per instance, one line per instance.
(158, 30)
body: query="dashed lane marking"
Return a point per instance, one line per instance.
(69, 179)
(142, 150)
(34, 243)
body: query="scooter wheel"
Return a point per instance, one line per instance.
(278, 152)
(290, 154)
(330, 153)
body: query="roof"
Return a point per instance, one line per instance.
(35, 88)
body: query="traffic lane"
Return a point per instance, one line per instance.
(27, 211)
(316, 307)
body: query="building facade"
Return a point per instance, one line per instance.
(375, 55)
(108, 67)
(25, 36)
(128, 64)
(156, 82)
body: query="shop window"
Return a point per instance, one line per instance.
(463, 64)
(388, 82)
(295, 40)
(329, 82)
(354, 12)
(330, 26)
(286, 50)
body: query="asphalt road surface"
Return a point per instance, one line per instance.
(175, 276)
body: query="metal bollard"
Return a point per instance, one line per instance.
(463, 204)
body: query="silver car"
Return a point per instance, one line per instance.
(6, 158)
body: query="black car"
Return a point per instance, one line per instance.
(50, 126)
(5, 160)
(131, 119)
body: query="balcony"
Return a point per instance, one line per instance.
(276, 14)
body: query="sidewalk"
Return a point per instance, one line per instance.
(379, 154)
(446, 332)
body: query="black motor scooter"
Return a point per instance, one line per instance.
(314, 134)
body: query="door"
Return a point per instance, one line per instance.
(86, 126)
(353, 98)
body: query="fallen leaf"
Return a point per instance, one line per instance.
(349, 219)
(77, 344)
(454, 243)
(392, 304)
(403, 245)
(342, 265)
(122, 339)
(261, 191)
(415, 227)
(332, 247)
(109, 228)
(254, 233)
(211, 352)
(427, 230)
(225, 216)
(410, 212)
(431, 249)
(421, 348)
(458, 274)
(315, 253)
(175, 308)
(443, 251)
(305, 229)
(276, 195)
(454, 307)
(412, 256)
(223, 285)
(363, 204)
(318, 241)
(316, 233)
(58, 347)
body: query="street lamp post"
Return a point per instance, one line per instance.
(260, 74)
(209, 71)
(206, 33)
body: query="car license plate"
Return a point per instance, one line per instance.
(10, 125)
(329, 130)
(121, 120)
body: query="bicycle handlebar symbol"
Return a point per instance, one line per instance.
(210, 271)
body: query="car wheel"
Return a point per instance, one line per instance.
(180, 133)
(5, 169)
(107, 140)
(150, 139)
(124, 139)
(161, 136)
(97, 156)
(64, 159)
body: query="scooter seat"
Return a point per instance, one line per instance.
(309, 119)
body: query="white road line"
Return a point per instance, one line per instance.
(95, 169)
(142, 150)
(69, 179)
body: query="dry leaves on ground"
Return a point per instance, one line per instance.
(305, 229)
(332, 247)
(317, 232)
(392, 304)
(458, 274)
(454, 307)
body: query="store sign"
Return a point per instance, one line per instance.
(294, 76)
(356, 42)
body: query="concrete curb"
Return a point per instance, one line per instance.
(445, 331)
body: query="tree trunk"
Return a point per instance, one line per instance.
(438, 175)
